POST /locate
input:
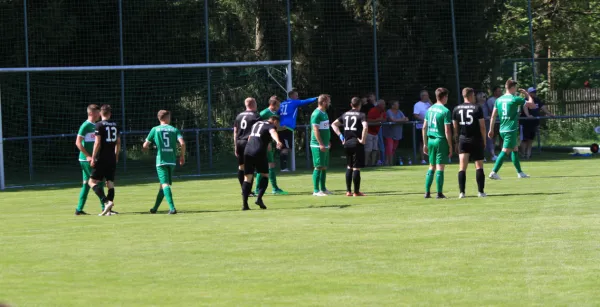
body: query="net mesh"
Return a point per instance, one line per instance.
(59, 101)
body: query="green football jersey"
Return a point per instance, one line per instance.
(509, 109)
(266, 113)
(437, 117)
(88, 132)
(165, 137)
(320, 118)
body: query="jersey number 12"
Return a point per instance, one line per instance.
(347, 120)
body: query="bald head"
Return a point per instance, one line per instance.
(250, 104)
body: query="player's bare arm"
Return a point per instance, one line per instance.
(234, 140)
(118, 149)
(529, 102)
(182, 150)
(425, 151)
(482, 129)
(455, 124)
(79, 144)
(275, 137)
(363, 138)
(146, 146)
(335, 126)
(448, 130)
(526, 111)
(318, 137)
(492, 123)
(96, 150)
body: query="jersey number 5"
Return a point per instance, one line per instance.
(166, 140)
(111, 134)
(469, 117)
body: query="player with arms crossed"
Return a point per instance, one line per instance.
(437, 140)
(319, 145)
(508, 106)
(255, 158)
(165, 137)
(105, 157)
(272, 110)
(469, 132)
(85, 143)
(241, 131)
(288, 112)
(354, 138)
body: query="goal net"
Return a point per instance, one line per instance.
(42, 113)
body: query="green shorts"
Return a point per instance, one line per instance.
(320, 158)
(86, 170)
(438, 151)
(165, 173)
(511, 139)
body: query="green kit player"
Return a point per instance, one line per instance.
(319, 145)
(509, 107)
(437, 141)
(272, 110)
(165, 137)
(85, 143)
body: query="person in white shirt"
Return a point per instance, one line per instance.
(419, 112)
(488, 107)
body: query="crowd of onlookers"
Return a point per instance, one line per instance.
(383, 140)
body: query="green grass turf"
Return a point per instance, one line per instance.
(532, 242)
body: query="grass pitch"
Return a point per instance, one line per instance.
(531, 242)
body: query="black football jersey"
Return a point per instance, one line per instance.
(260, 137)
(109, 133)
(352, 122)
(244, 122)
(467, 115)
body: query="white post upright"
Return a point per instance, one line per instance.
(289, 87)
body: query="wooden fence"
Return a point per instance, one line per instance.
(574, 101)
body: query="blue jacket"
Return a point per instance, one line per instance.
(288, 112)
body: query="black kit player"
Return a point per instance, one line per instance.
(354, 137)
(469, 131)
(105, 157)
(241, 132)
(255, 158)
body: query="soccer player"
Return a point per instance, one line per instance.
(319, 145)
(105, 157)
(241, 131)
(255, 158)
(437, 140)
(288, 112)
(272, 110)
(85, 144)
(165, 137)
(469, 123)
(508, 106)
(354, 138)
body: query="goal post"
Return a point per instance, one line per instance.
(60, 95)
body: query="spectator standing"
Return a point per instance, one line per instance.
(376, 116)
(489, 108)
(392, 134)
(530, 127)
(481, 99)
(368, 103)
(419, 111)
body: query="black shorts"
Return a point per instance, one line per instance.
(473, 148)
(528, 132)
(103, 171)
(355, 156)
(256, 163)
(286, 137)
(240, 147)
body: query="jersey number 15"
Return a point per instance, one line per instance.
(468, 115)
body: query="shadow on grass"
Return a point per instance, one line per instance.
(236, 210)
(526, 194)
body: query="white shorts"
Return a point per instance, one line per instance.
(372, 143)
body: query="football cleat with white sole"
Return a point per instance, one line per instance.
(320, 194)
(461, 195)
(522, 175)
(482, 195)
(107, 208)
(494, 176)
(327, 192)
